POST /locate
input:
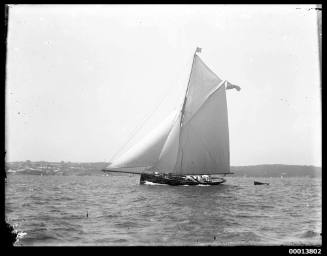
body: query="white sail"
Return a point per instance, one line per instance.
(200, 143)
(146, 152)
(204, 138)
(202, 82)
(197, 141)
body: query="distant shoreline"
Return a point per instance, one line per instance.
(277, 170)
(86, 168)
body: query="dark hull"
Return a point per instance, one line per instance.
(260, 183)
(177, 180)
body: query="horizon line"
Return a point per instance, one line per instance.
(320, 166)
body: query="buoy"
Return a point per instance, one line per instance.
(87, 214)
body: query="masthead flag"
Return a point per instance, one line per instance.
(198, 49)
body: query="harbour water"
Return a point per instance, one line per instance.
(116, 210)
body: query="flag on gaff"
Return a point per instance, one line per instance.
(232, 86)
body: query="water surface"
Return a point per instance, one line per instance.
(116, 210)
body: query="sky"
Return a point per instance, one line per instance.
(84, 83)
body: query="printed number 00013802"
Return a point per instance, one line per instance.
(304, 251)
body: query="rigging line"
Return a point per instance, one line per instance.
(138, 128)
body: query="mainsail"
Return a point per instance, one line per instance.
(196, 140)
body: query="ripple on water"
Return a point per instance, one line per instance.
(242, 236)
(121, 212)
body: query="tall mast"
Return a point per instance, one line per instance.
(188, 83)
(184, 103)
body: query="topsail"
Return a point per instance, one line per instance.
(195, 140)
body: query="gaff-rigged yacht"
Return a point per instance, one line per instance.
(191, 147)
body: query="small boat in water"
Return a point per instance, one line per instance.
(260, 183)
(192, 146)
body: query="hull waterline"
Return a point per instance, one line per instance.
(178, 180)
